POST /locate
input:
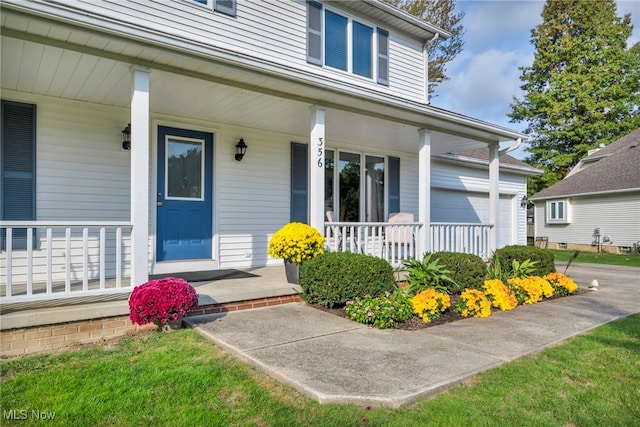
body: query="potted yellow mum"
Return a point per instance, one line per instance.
(295, 243)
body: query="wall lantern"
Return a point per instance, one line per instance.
(126, 137)
(524, 201)
(241, 149)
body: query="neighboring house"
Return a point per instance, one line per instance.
(597, 205)
(237, 118)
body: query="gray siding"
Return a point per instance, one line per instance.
(274, 31)
(617, 215)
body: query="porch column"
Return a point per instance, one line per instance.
(424, 192)
(316, 169)
(494, 195)
(139, 175)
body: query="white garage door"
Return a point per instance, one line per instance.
(458, 206)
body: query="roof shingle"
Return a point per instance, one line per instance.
(617, 169)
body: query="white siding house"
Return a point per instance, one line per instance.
(315, 91)
(597, 205)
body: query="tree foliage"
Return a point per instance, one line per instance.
(442, 14)
(583, 88)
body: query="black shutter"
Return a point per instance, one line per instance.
(299, 186)
(18, 166)
(394, 185)
(228, 7)
(314, 33)
(383, 57)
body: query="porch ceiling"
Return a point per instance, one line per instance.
(45, 58)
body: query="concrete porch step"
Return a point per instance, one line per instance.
(255, 288)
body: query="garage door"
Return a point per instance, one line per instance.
(457, 206)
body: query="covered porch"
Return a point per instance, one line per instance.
(90, 239)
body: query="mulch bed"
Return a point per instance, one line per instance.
(416, 323)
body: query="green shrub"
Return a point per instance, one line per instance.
(544, 259)
(467, 270)
(333, 278)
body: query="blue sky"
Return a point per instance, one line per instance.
(485, 75)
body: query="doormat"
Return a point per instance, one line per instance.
(207, 276)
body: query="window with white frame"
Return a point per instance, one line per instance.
(228, 7)
(557, 211)
(339, 41)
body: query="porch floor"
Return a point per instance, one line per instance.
(229, 286)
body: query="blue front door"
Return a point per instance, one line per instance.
(184, 207)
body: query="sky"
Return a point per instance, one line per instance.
(485, 75)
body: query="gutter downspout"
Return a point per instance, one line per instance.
(511, 148)
(425, 57)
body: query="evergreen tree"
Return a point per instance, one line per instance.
(440, 13)
(583, 88)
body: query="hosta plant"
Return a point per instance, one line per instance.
(428, 273)
(474, 303)
(161, 301)
(383, 312)
(500, 295)
(296, 242)
(429, 304)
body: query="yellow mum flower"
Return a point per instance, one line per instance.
(296, 242)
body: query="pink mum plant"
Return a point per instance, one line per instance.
(161, 301)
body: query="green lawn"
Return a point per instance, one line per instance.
(598, 258)
(181, 379)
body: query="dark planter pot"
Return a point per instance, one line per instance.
(292, 271)
(169, 326)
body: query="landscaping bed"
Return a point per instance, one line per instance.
(416, 323)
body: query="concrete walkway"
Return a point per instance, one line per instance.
(332, 359)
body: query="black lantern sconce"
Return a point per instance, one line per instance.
(524, 201)
(241, 149)
(126, 137)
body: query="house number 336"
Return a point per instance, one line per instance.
(320, 152)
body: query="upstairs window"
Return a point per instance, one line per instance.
(340, 42)
(228, 7)
(557, 212)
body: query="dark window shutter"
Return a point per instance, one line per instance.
(394, 184)
(228, 7)
(335, 40)
(299, 186)
(314, 33)
(362, 51)
(383, 57)
(17, 170)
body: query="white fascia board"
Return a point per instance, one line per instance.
(479, 163)
(70, 16)
(401, 14)
(594, 193)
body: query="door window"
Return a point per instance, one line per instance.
(184, 169)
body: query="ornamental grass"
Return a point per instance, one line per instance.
(530, 290)
(500, 295)
(429, 304)
(562, 285)
(296, 242)
(474, 303)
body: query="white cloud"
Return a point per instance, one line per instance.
(485, 75)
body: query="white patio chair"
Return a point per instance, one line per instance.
(399, 239)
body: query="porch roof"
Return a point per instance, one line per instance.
(93, 55)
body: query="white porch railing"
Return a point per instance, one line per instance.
(466, 238)
(393, 242)
(42, 260)
(396, 242)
